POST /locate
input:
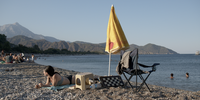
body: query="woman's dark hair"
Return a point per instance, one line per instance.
(50, 70)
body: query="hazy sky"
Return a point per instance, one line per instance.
(174, 24)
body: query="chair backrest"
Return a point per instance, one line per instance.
(134, 58)
(130, 59)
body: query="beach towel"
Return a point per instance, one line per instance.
(2, 62)
(56, 88)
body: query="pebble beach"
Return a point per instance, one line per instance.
(17, 82)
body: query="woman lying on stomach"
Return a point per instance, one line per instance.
(55, 79)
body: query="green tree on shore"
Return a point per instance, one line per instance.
(4, 44)
(36, 47)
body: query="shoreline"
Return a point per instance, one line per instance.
(18, 82)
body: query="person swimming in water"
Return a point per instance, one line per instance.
(172, 76)
(187, 75)
(55, 79)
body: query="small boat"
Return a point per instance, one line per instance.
(197, 53)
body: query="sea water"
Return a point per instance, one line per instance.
(178, 64)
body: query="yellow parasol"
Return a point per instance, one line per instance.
(116, 40)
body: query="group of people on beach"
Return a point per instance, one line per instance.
(13, 58)
(53, 78)
(172, 75)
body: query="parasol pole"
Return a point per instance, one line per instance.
(109, 64)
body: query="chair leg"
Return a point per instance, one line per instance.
(144, 82)
(128, 81)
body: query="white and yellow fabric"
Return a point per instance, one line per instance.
(116, 39)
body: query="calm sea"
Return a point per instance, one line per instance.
(178, 64)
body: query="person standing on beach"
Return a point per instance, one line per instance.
(32, 56)
(55, 79)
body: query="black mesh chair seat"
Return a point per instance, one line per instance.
(133, 72)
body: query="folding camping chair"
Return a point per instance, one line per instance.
(129, 64)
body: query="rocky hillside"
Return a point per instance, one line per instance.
(152, 49)
(84, 46)
(44, 45)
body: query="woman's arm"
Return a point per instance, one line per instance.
(47, 83)
(43, 85)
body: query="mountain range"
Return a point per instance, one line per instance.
(18, 34)
(11, 30)
(83, 46)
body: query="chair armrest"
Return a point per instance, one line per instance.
(153, 66)
(145, 66)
